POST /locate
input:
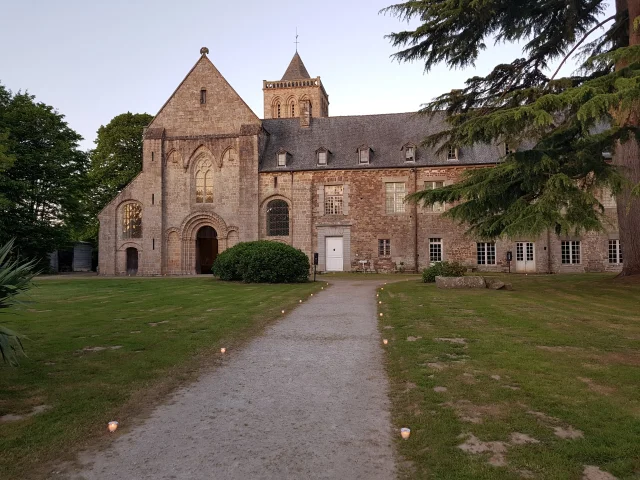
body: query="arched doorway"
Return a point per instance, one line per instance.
(132, 261)
(206, 249)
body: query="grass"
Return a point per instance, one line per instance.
(166, 331)
(564, 346)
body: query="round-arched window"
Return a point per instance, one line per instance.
(132, 221)
(277, 218)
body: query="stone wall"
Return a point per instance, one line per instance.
(365, 221)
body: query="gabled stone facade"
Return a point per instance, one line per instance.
(214, 174)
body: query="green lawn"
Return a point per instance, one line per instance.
(163, 330)
(558, 356)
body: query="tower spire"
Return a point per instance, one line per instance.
(296, 42)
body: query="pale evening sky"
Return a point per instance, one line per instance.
(95, 60)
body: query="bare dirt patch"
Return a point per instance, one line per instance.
(595, 387)
(100, 349)
(517, 438)
(559, 349)
(10, 417)
(437, 366)
(439, 389)
(568, 433)
(472, 413)
(413, 339)
(594, 473)
(475, 446)
(631, 359)
(456, 340)
(543, 416)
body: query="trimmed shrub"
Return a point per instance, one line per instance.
(262, 261)
(443, 269)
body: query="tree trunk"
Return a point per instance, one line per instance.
(627, 159)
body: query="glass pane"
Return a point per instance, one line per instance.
(277, 218)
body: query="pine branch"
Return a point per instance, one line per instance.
(586, 35)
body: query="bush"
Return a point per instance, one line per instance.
(443, 269)
(262, 262)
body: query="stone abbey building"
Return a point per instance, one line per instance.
(214, 174)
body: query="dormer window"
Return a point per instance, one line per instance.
(452, 153)
(322, 156)
(282, 158)
(409, 152)
(363, 155)
(203, 96)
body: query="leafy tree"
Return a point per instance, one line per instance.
(562, 125)
(43, 188)
(115, 161)
(15, 277)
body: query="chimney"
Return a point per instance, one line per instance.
(305, 114)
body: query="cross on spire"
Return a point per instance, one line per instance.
(296, 42)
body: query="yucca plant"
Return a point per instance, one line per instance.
(15, 277)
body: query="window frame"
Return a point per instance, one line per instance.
(396, 207)
(384, 247)
(485, 252)
(204, 182)
(437, 207)
(131, 228)
(436, 248)
(275, 227)
(326, 157)
(333, 202)
(570, 250)
(363, 155)
(452, 153)
(281, 159)
(615, 253)
(410, 153)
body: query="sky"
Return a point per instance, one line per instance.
(95, 60)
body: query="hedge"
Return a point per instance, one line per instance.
(262, 261)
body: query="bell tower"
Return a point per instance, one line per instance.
(295, 94)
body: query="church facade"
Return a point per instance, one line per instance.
(214, 174)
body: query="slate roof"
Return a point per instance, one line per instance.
(296, 69)
(385, 134)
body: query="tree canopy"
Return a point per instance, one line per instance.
(570, 138)
(42, 176)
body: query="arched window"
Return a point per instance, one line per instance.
(204, 182)
(292, 109)
(278, 113)
(277, 218)
(132, 221)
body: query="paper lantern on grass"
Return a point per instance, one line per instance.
(283, 312)
(223, 350)
(381, 314)
(385, 341)
(405, 432)
(113, 426)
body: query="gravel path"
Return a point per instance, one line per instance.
(306, 400)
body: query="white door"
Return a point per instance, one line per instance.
(525, 257)
(334, 254)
